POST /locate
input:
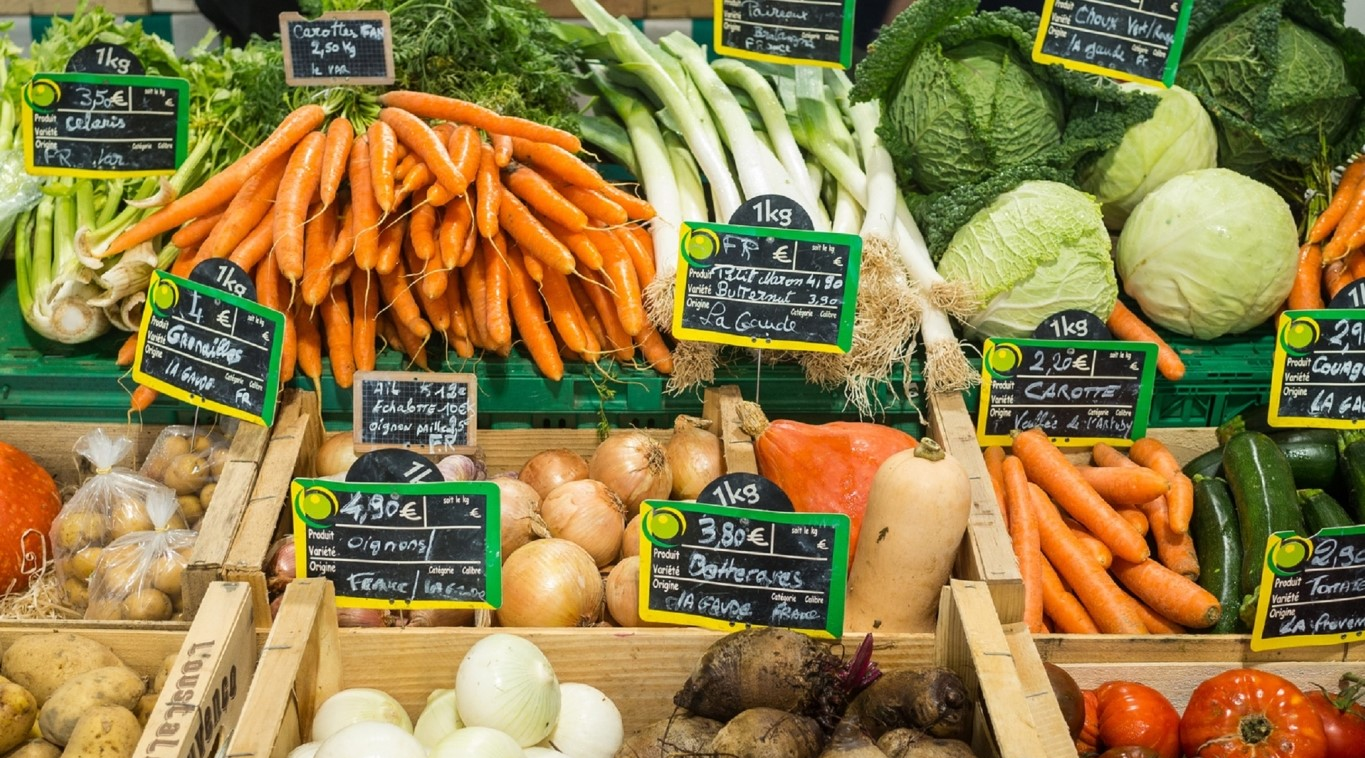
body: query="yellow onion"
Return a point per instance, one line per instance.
(630, 537)
(550, 582)
(336, 454)
(623, 593)
(551, 468)
(634, 466)
(520, 509)
(588, 514)
(694, 457)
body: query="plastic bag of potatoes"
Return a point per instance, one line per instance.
(189, 461)
(110, 504)
(138, 575)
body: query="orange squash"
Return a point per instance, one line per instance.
(823, 468)
(29, 500)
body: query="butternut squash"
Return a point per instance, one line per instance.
(916, 516)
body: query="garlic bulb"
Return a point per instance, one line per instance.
(506, 683)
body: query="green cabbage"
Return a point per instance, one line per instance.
(1209, 253)
(1178, 138)
(1036, 250)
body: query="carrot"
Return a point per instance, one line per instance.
(568, 320)
(471, 239)
(401, 302)
(489, 192)
(534, 268)
(625, 285)
(1168, 593)
(1066, 612)
(1050, 469)
(439, 108)
(532, 236)
(1103, 555)
(476, 288)
(594, 203)
(1126, 325)
(269, 285)
(530, 320)
(1024, 536)
(343, 247)
(502, 149)
(309, 345)
(466, 150)
(336, 322)
(195, 232)
(1350, 231)
(654, 349)
(432, 278)
(623, 346)
(415, 181)
(598, 341)
(336, 154)
(1156, 623)
(1104, 455)
(995, 457)
(495, 289)
(641, 256)
(391, 245)
(538, 195)
(1335, 276)
(1125, 486)
(579, 243)
(1341, 200)
(1111, 609)
(1151, 453)
(435, 306)
(127, 352)
(636, 209)
(413, 345)
(363, 206)
(320, 233)
(426, 145)
(452, 232)
(438, 195)
(422, 232)
(222, 186)
(251, 204)
(1137, 519)
(296, 191)
(341, 273)
(256, 245)
(404, 167)
(185, 261)
(142, 398)
(383, 163)
(1355, 263)
(558, 162)
(459, 326)
(365, 305)
(1306, 294)
(1174, 550)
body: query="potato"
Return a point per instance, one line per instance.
(111, 685)
(193, 505)
(177, 521)
(129, 516)
(164, 673)
(169, 448)
(187, 474)
(18, 711)
(41, 663)
(147, 604)
(146, 705)
(107, 731)
(82, 564)
(35, 748)
(76, 529)
(218, 460)
(165, 572)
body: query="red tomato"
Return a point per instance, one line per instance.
(1132, 714)
(1245, 713)
(1344, 728)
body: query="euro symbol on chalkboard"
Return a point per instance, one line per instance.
(758, 539)
(474, 513)
(782, 255)
(1080, 363)
(223, 318)
(823, 545)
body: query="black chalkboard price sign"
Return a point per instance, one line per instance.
(423, 412)
(1318, 377)
(98, 125)
(729, 568)
(210, 348)
(765, 287)
(401, 546)
(1137, 40)
(801, 32)
(1312, 590)
(1079, 392)
(345, 47)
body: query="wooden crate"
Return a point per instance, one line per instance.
(640, 669)
(212, 673)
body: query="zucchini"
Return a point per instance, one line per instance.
(1312, 455)
(1213, 527)
(1206, 465)
(1351, 449)
(1253, 419)
(1321, 510)
(1262, 486)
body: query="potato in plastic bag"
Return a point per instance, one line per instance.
(138, 576)
(189, 461)
(110, 504)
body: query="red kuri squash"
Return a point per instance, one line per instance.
(29, 500)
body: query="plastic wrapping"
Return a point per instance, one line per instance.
(189, 461)
(110, 504)
(138, 576)
(19, 191)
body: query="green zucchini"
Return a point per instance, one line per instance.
(1312, 455)
(1351, 449)
(1321, 510)
(1213, 527)
(1262, 486)
(1253, 419)
(1206, 465)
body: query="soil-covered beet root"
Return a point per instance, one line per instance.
(680, 735)
(760, 668)
(850, 741)
(932, 700)
(930, 747)
(767, 733)
(897, 741)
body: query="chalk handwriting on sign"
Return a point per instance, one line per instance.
(1312, 590)
(809, 32)
(424, 412)
(1318, 377)
(1137, 40)
(348, 47)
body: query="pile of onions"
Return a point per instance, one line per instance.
(589, 723)
(551, 468)
(354, 706)
(520, 509)
(623, 592)
(551, 582)
(630, 537)
(336, 455)
(694, 457)
(506, 683)
(588, 514)
(634, 466)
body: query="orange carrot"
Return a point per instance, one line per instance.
(391, 245)
(558, 162)
(584, 251)
(432, 298)
(401, 303)
(142, 398)
(1103, 555)
(1306, 294)
(1126, 325)
(476, 288)
(195, 232)
(466, 149)
(1066, 612)
(256, 245)
(336, 322)
(432, 278)
(1156, 623)
(471, 237)
(185, 261)
(336, 154)
(1341, 200)
(413, 346)
(995, 457)
(404, 168)
(1050, 469)
(127, 352)
(363, 206)
(1024, 536)
(594, 203)
(1111, 609)
(534, 268)
(223, 185)
(365, 307)
(383, 163)
(636, 209)
(415, 181)
(502, 149)
(438, 195)
(532, 236)
(1168, 593)
(439, 108)
(538, 195)
(1104, 455)
(654, 349)
(269, 286)
(641, 257)
(496, 289)
(625, 285)
(564, 313)
(297, 188)
(623, 347)
(530, 321)
(1137, 519)
(422, 232)
(309, 345)
(423, 142)
(1174, 550)
(1125, 486)
(598, 340)
(489, 192)
(320, 234)
(459, 325)
(1335, 276)
(1151, 453)
(1355, 262)
(343, 247)
(452, 232)
(1350, 231)
(251, 204)
(341, 273)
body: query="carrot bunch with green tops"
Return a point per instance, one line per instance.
(1333, 253)
(1103, 548)
(444, 219)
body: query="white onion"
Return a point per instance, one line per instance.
(588, 514)
(371, 739)
(306, 750)
(477, 742)
(506, 683)
(589, 723)
(335, 455)
(542, 752)
(520, 509)
(356, 705)
(438, 720)
(694, 457)
(634, 466)
(551, 468)
(551, 582)
(630, 537)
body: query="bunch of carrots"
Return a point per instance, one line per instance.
(1333, 255)
(466, 229)
(1080, 535)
